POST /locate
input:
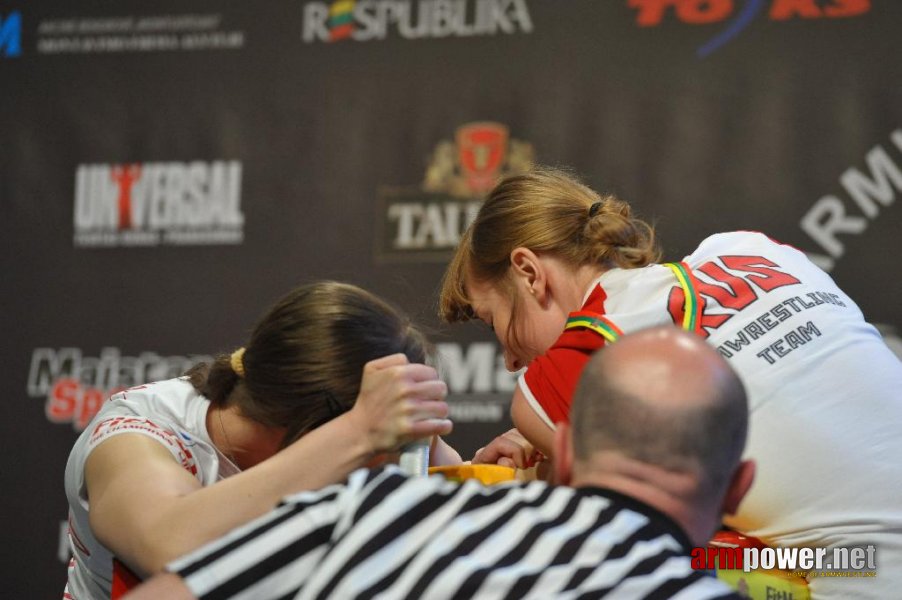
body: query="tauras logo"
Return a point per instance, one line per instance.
(872, 192)
(146, 204)
(425, 222)
(366, 20)
(74, 386)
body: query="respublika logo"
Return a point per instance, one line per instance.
(74, 386)
(651, 13)
(426, 222)
(11, 35)
(148, 204)
(365, 20)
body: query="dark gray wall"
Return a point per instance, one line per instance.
(268, 159)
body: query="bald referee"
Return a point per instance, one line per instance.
(652, 462)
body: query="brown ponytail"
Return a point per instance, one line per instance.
(304, 360)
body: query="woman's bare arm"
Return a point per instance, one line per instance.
(147, 510)
(518, 447)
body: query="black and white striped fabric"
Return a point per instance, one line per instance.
(383, 535)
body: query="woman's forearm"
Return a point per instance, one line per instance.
(149, 520)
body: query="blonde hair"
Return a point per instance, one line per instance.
(547, 211)
(236, 360)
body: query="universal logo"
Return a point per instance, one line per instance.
(149, 204)
(425, 222)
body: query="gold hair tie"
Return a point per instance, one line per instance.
(237, 362)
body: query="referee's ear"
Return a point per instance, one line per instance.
(739, 486)
(562, 459)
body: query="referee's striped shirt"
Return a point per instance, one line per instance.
(382, 535)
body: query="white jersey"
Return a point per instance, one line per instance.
(171, 412)
(825, 392)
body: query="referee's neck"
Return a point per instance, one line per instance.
(674, 494)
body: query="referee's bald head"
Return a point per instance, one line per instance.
(663, 397)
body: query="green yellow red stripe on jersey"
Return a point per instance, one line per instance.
(596, 323)
(692, 308)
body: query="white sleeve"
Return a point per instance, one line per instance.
(533, 403)
(163, 433)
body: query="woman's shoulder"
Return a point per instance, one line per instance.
(618, 286)
(737, 241)
(171, 404)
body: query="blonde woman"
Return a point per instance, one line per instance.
(559, 271)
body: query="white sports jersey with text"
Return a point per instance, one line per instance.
(825, 394)
(171, 412)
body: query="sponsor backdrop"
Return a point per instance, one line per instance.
(168, 169)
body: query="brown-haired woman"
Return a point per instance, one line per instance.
(558, 271)
(331, 377)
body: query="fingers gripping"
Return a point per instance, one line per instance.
(401, 402)
(509, 449)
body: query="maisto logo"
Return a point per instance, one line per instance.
(367, 20)
(74, 386)
(479, 385)
(425, 222)
(149, 204)
(653, 13)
